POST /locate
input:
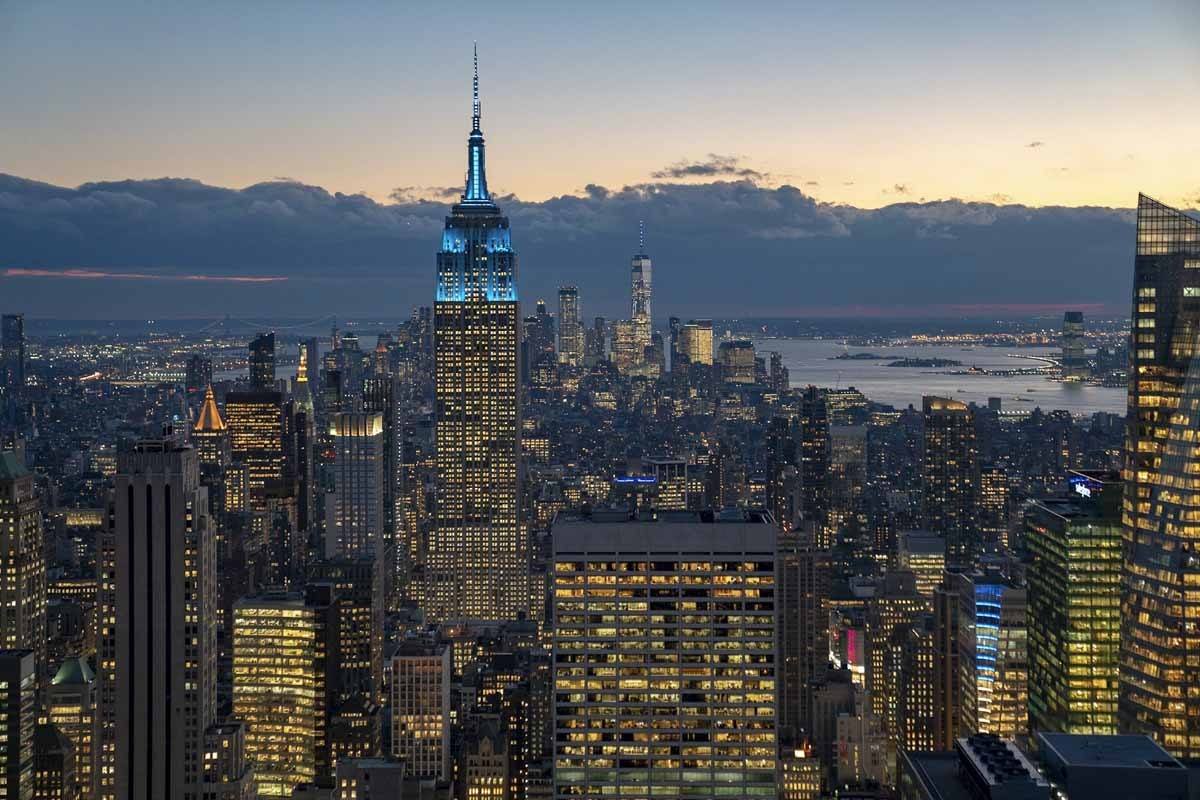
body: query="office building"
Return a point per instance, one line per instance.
(228, 774)
(640, 285)
(801, 774)
(950, 477)
(262, 362)
(53, 772)
(993, 505)
(896, 604)
(255, 422)
(158, 607)
(279, 651)
(1157, 638)
(70, 702)
(198, 374)
(696, 342)
(803, 576)
(570, 328)
(736, 361)
(1075, 607)
(626, 350)
(593, 343)
(815, 455)
(420, 706)
(909, 662)
(22, 560)
(477, 557)
(1086, 767)
(18, 717)
(210, 435)
(358, 486)
(924, 555)
(687, 610)
(993, 654)
(980, 767)
(12, 352)
(1074, 362)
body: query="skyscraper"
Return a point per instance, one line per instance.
(664, 631)
(70, 701)
(1159, 635)
(210, 435)
(815, 454)
(357, 511)
(570, 329)
(803, 577)
(993, 654)
(421, 709)
(1075, 607)
(22, 560)
(18, 717)
(255, 421)
(262, 362)
(157, 660)
(12, 351)
(696, 342)
(950, 474)
(477, 559)
(639, 291)
(1074, 362)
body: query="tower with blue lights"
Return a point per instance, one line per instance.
(477, 562)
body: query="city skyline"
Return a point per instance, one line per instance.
(839, 176)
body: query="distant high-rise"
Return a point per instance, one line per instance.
(1075, 607)
(12, 351)
(704, 707)
(421, 709)
(626, 354)
(358, 474)
(255, 421)
(593, 343)
(1074, 362)
(815, 453)
(262, 362)
(950, 475)
(696, 342)
(803, 576)
(1159, 635)
(736, 359)
(570, 328)
(22, 560)
(640, 285)
(198, 374)
(210, 435)
(157, 626)
(477, 559)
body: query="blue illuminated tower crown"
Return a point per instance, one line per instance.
(476, 261)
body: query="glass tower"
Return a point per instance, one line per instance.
(1160, 635)
(477, 557)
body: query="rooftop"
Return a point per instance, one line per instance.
(699, 532)
(1108, 751)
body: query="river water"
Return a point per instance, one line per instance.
(811, 361)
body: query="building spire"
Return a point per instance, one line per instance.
(477, 191)
(475, 94)
(641, 236)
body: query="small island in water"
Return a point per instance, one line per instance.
(925, 362)
(857, 357)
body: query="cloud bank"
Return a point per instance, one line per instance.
(728, 247)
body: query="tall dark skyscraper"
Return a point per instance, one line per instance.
(477, 560)
(1074, 362)
(814, 459)
(262, 362)
(1160, 605)
(12, 351)
(570, 329)
(950, 474)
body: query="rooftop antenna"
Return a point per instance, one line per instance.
(475, 91)
(641, 236)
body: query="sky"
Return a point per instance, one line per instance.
(856, 107)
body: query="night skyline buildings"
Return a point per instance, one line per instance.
(477, 566)
(1160, 608)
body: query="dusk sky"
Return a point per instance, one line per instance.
(858, 106)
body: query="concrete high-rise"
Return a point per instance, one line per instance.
(157, 626)
(950, 477)
(570, 328)
(421, 709)
(22, 560)
(477, 559)
(803, 577)
(1159, 609)
(665, 666)
(262, 362)
(18, 718)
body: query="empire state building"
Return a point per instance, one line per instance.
(477, 563)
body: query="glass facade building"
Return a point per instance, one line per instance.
(1160, 611)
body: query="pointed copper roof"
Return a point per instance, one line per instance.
(210, 416)
(74, 670)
